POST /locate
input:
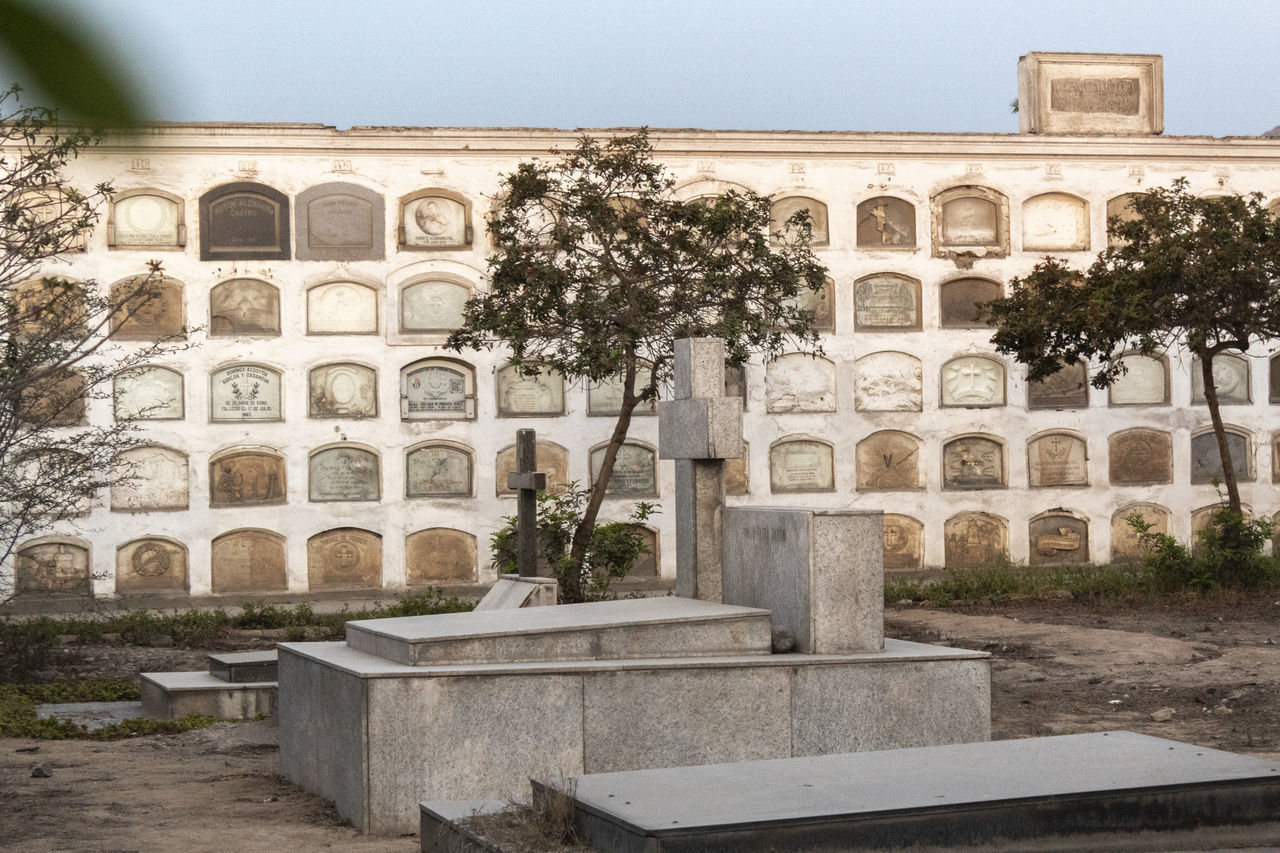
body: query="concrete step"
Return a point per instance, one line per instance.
(606, 630)
(1113, 791)
(168, 695)
(243, 667)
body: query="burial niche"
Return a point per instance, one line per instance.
(41, 467)
(1230, 379)
(344, 558)
(55, 400)
(1067, 388)
(46, 566)
(343, 474)
(886, 302)
(1275, 461)
(973, 381)
(885, 222)
(437, 388)
(973, 462)
(605, 398)
(1057, 459)
(1140, 457)
(343, 390)
(960, 298)
(975, 540)
(970, 222)
(434, 306)
(148, 393)
(146, 219)
(818, 303)
(150, 309)
(438, 469)
(439, 554)
(887, 382)
(342, 308)
(340, 222)
(1120, 210)
(244, 392)
(1144, 382)
(244, 221)
(801, 464)
(1055, 222)
(635, 471)
(244, 307)
(903, 543)
(151, 564)
(1058, 537)
(888, 461)
(1126, 547)
(521, 394)
(246, 478)
(1206, 461)
(553, 460)
(784, 208)
(1273, 384)
(152, 478)
(248, 561)
(646, 565)
(800, 383)
(1202, 520)
(737, 473)
(435, 219)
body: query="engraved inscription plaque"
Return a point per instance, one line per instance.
(155, 478)
(975, 540)
(605, 398)
(801, 466)
(439, 554)
(553, 460)
(1126, 547)
(342, 308)
(343, 391)
(973, 381)
(244, 221)
(1140, 456)
(1090, 93)
(438, 471)
(148, 393)
(800, 383)
(634, 471)
(1055, 222)
(1114, 95)
(1230, 379)
(886, 302)
(737, 473)
(1057, 460)
(973, 463)
(960, 300)
(248, 561)
(434, 222)
(346, 558)
(247, 478)
(1058, 539)
(244, 306)
(344, 474)
(56, 400)
(340, 221)
(887, 382)
(885, 222)
(145, 221)
(435, 390)
(903, 542)
(1206, 461)
(1066, 389)
(784, 208)
(433, 306)
(1145, 382)
(151, 565)
(970, 221)
(888, 460)
(53, 567)
(151, 309)
(244, 392)
(520, 395)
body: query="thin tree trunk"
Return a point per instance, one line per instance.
(1219, 432)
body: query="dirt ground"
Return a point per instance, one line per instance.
(1207, 673)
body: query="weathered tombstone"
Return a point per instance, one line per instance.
(1057, 459)
(434, 220)
(247, 478)
(959, 302)
(438, 470)
(527, 482)
(797, 382)
(521, 395)
(1058, 538)
(885, 222)
(1145, 382)
(148, 392)
(1206, 461)
(342, 308)
(439, 554)
(432, 306)
(340, 222)
(347, 558)
(784, 208)
(801, 465)
(344, 474)
(244, 306)
(605, 398)
(888, 382)
(819, 303)
(161, 315)
(1120, 207)
(635, 471)
(646, 565)
(903, 542)
(975, 540)
(886, 302)
(248, 561)
(151, 565)
(552, 459)
(245, 392)
(1055, 222)
(158, 480)
(52, 566)
(1090, 93)
(973, 381)
(970, 222)
(434, 389)
(1230, 379)
(1140, 456)
(973, 462)
(888, 460)
(343, 391)
(1068, 388)
(146, 219)
(1125, 545)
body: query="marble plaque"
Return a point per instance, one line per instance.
(244, 392)
(157, 478)
(53, 567)
(970, 221)
(346, 558)
(784, 208)
(244, 221)
(1057, 460)
(56, 400)
(1230, 379)
(342, 308)
(975, 540)
(886, 302)
(244, 306)
(1066, 389)
(151, 309)
(960, 298)
(903, 542)
(605, 398)
(818, 303)
(553, 460)
(436, 390)
(520, 395)
(973, 381)
(145, 221)
(438, 471)
(1055, 222)
(248, 478)
(1121, 208)
(1206, 461)
(1125, 545)
(434, 222)
(634, 471)
(888, 460)
(885, 222)
(802, 466)
(1274, 380)
(1146, 382)
(433, 306)
(439, 554)
(800, 383)
(340, 222)
(148, 393)
(343, 391)
(887, 382)
(151, 565)
(1058, 539)
(646, 565)
(248, 561)
(973, 463)
(1140, 456)
(344, 474)
(1090, 93)
(737, 473)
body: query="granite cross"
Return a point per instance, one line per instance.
(527, 484)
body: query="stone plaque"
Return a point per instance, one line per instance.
(157, 314)
(1230, 379)
(802, 466)
(433, 306)
(634, 471)
(244, 392)
(975, 540)
(340, 222)
(960, 300)
(1206, 461)
(521, 395)
(248, 561)
(818, 303)
(344, 474)
(436, 390)
(36, 468)
(973, 381)
(1058, 539)
(1066, 389)
(151, 565)
(244, 306)
(434, 222)
(886, 302)
(973, 463)
(784, 208)
(606, 397)
(1140, 457)
(439, 554)
(1145, 382)
(342, 308)
(1055, 222)
(887, 382)
(800, 383)
(343, 391)
(1274, 380)
(248, 478)
(970, 221)
(145, 221)
(157, 479)
(553, 460)
(1120, 207)
(53, 567)
(888, 460)
(1057, 460)
(346, 558)
(737, 473)
(1202, 520)
(903, 542)
(56, 400)
(438, 471)
(646, 565)
(885, 222)
(148, 393)
(1125, 545)
(244, 221)
(1090, 93)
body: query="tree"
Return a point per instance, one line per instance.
(597, 270)
(56, 348)
(1203, 273)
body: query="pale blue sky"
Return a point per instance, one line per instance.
(909, 66)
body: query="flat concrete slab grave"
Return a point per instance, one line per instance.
(91, 715)
(605, 630)
(169, 695)
(940, 797)
(243, 667)
(440, 832)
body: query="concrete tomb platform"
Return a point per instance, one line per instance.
(168, 695)
(1110, 791)
(243, 667)
(606, 630)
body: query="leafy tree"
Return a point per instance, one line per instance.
(597, 270)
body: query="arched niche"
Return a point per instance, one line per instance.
(434, 218)
(974, 461)
(959, 299)
(522, 395)
(1140, 456)
(786, 207)
(888, 382)
(1055, 222)
(344, 472)
(55, 213)
(437, 388)
(889, 460)
(1144, 382)
(248, 560)
(1057, 458)
(244, 307)
(73, 476)
(646, 565)
(903, 538)
(1120, 209)
(886, 222)
(801, 464)
(439, 469)
(635, 470)
(1067, 388)
(820, 303)
(53, 564)
(434, 305)
(1202, 520)
(970, 222)
(1058, 537)
(973, 381)
(344, 558)
(1230, 379)
(247, 477)
(340, 221)
(56, 400)
(886, 302)
(1126, 547)
(151, 564)
(604, 399)
(975, 540)
(342, 308)
(148, 308)
(149, 219)
(799, 383)
(553, 460)
(244, 221)
(439, 555)
(151, 478)
(50, 305)
(704, 188)
(1206, 461)
(245, 392)
(342, 390)
(1273, 379)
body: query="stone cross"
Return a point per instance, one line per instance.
(527, 484)
(699, 429)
